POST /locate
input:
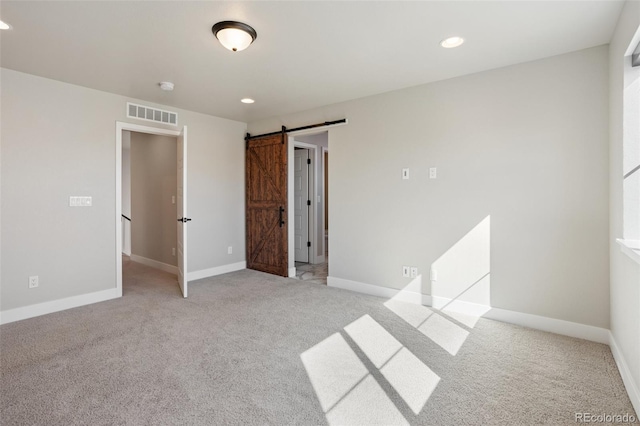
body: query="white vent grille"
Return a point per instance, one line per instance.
(142, 112)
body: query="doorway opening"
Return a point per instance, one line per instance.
(309, 207)
(150, 196)
(270, 202)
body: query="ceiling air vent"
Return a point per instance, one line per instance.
(142, 112)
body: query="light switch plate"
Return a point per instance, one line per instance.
(76, 201)
(405, 173)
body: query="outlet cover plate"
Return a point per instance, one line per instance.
(33, 281)
(406, 271)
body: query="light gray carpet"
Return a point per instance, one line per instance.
(231, 354)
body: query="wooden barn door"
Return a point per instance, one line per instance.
(266, 179)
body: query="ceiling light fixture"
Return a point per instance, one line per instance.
(4, 26)
(247, 101)
(233, 35)
(451, 42)
(167, 86)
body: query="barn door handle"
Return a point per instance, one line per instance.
(281, 212)
(184, 219)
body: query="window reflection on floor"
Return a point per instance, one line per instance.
(348, 391)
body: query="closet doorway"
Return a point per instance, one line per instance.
(310, 211)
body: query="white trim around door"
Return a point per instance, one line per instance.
(120, 127)
(313, 219)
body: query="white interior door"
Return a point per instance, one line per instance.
(301, 204)
(182, 210)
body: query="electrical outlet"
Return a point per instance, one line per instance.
(405, 271)
(229, 250)
(173, 251)
(173, 199)
(414, 272)
(433, 173)
(33, 281)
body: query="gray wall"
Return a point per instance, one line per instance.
(58, 140)
(154, 181)
(625, 273)
(524, 145)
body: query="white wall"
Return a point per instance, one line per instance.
(58, 140)
(625, 273)
(319, 139)
(154, 181)
(525, 145)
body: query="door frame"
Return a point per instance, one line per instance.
(120, 127)
(314, 256)
(324, 190)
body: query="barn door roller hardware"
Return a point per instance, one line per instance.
(296, 129)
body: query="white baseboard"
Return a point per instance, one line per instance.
(218, 270)
(44, 308)
(627, 378)
(552, 325)
(292, 272)
(359, 287)
(155, 264)
(31, 311)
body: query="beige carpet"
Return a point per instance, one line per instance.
(251, 348)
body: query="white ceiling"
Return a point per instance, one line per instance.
(307, 54)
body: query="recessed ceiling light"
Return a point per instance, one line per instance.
(233, 35)
(167, 86)
(4, 26)
(247, 101)
(451, 42)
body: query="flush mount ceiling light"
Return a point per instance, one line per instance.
(4, 26)
(233, 35)
(451, 42)
(167, 86)
(247, 101)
